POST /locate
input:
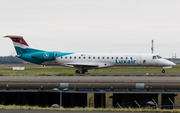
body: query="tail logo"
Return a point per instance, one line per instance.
(46, 55)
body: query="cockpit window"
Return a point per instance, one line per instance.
(159, 57)
(154, 57)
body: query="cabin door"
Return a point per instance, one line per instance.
(139, 60)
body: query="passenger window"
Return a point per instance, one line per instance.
(126, 57)
(98, 57)
(112, 57)
(93, 57)
(89, 57)
(121, 57)
(79, 57)
(102, 57)
(107, 57)
(65, 57)
(116, 57)
(131, 57)
(84, 57)
(74, 57)
(69, 57)
(61, 57)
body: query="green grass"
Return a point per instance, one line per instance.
(89, 109)
(63, 70)
(134, 69)
(37, 70)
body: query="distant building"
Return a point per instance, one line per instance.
(175, 60)
(25, 62)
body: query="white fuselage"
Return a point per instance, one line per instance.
(102, 60)
(85, 61)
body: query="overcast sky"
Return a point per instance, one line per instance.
(118, 26)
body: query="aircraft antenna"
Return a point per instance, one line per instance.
(152, 48)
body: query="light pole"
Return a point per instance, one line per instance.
(60, 94)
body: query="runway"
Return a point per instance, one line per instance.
(111, 73)
(91, 78)
(100, 73)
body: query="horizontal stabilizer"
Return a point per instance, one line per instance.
(12, 36)
(17, 39)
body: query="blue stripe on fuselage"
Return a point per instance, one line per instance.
(26, 50)
(26, 53)
(27, 57)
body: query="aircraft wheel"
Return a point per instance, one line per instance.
(77, 71)
(163, 71)
(83, 72)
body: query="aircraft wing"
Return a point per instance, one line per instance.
(83, 64)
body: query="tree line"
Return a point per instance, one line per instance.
(10, 60)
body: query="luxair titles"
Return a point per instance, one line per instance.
(125, 61)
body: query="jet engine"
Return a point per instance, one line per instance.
(45, 56)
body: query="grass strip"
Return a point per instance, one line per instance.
(72, 70)
(26, 107)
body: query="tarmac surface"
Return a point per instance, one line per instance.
(111, 73)
(92, 78)
(100, 73)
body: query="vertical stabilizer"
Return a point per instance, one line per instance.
(20, 45)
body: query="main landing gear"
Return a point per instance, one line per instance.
(77, 71)
(81, 72)
(163, 71)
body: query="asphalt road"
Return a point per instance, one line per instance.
(48, 111)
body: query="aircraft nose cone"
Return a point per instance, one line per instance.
(171, 63)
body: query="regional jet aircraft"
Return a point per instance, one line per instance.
(85, 61)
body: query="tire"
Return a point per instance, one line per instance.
(83, 72)
(163, 71)
(77, 72)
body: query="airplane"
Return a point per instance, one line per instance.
(85, 61)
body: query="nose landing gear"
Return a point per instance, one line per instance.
(163, 71)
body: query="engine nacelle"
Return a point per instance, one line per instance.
(44, 56)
